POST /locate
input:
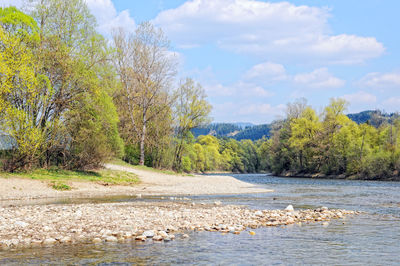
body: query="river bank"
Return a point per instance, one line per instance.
(341, 176)
(47, 225)
(151, 183)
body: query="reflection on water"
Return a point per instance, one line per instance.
(371, 238)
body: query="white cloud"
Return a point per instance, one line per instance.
(360, 97)
(261, 109)
(240, 89)
(267, 30)
(393, 102)
(381, 80)
(108, 18)
(318, 79)
(104, 10)
(266, 72)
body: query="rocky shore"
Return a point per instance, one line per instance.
(47, 225)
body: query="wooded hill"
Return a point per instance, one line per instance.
(253, 132)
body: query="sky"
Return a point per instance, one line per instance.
(253, 57)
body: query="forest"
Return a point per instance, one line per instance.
(72, 99)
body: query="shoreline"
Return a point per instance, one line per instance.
(35, 226)
(337, 177)
(152, 184)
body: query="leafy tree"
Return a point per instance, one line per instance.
(145, 69)
(192, 110)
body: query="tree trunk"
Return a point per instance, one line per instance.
(142, 138)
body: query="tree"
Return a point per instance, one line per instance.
(192, 110)
(145, 68)
(23, 92)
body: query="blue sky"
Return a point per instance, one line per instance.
(253, 57)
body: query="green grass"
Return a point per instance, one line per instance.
(60, 176)
(60, 186)
(146, 168)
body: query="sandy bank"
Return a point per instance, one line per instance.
(152, 183)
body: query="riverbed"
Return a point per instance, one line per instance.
(369, 238)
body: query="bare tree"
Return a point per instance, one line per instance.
(146, 69)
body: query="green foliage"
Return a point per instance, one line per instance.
(60, 186)
(332, 144)
(62, 176)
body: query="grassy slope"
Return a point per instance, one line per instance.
(57, 176)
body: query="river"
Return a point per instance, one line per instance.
(372, 238)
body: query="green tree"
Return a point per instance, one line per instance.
(192, 110)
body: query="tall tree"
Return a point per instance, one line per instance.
(146, 69)
(192, 110)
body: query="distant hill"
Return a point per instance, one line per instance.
(373, 117)
(244, 130)
(236, 131)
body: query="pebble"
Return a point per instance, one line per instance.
(37, 225)
(111, 239)
(148, 234)
(141, 238)
(97, 240)
(49, 241)
(289, 208)
(252, 233)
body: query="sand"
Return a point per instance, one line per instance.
(152, 183)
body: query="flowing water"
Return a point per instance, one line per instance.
(372, 238)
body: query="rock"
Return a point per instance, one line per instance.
(324, 208)
(167, 239)
(66, 239)
(236, 232)
(141, 238)
(96, 240)
(171, 236)
(325, 224)
(217, 203)
(148, 234)
(111, 239)
(258, 213)
(49, 241)
(21, 224)
(162, 234)
(139, 196)
(157, 238)
(185, 236)
(289, 208)
(252, 233)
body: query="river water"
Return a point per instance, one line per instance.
(372, 238)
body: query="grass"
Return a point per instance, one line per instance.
(146, 168)
(59, 177)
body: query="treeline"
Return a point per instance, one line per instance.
(208, 153)
(306, 143)
(70, 98)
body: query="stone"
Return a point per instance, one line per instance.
(252, 233)
(217, 203)
(139, 196)
(167, 239)
(111, 239)
(140, 238)
(49, 241)
(21, 224)
(66, 239)
(157, 238)
(324, 208)
(289, 208)
(258, 213)
(148, 234)
(96, 240)
(162, 234)
(185, 236)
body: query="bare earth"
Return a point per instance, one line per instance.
(151, 184)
